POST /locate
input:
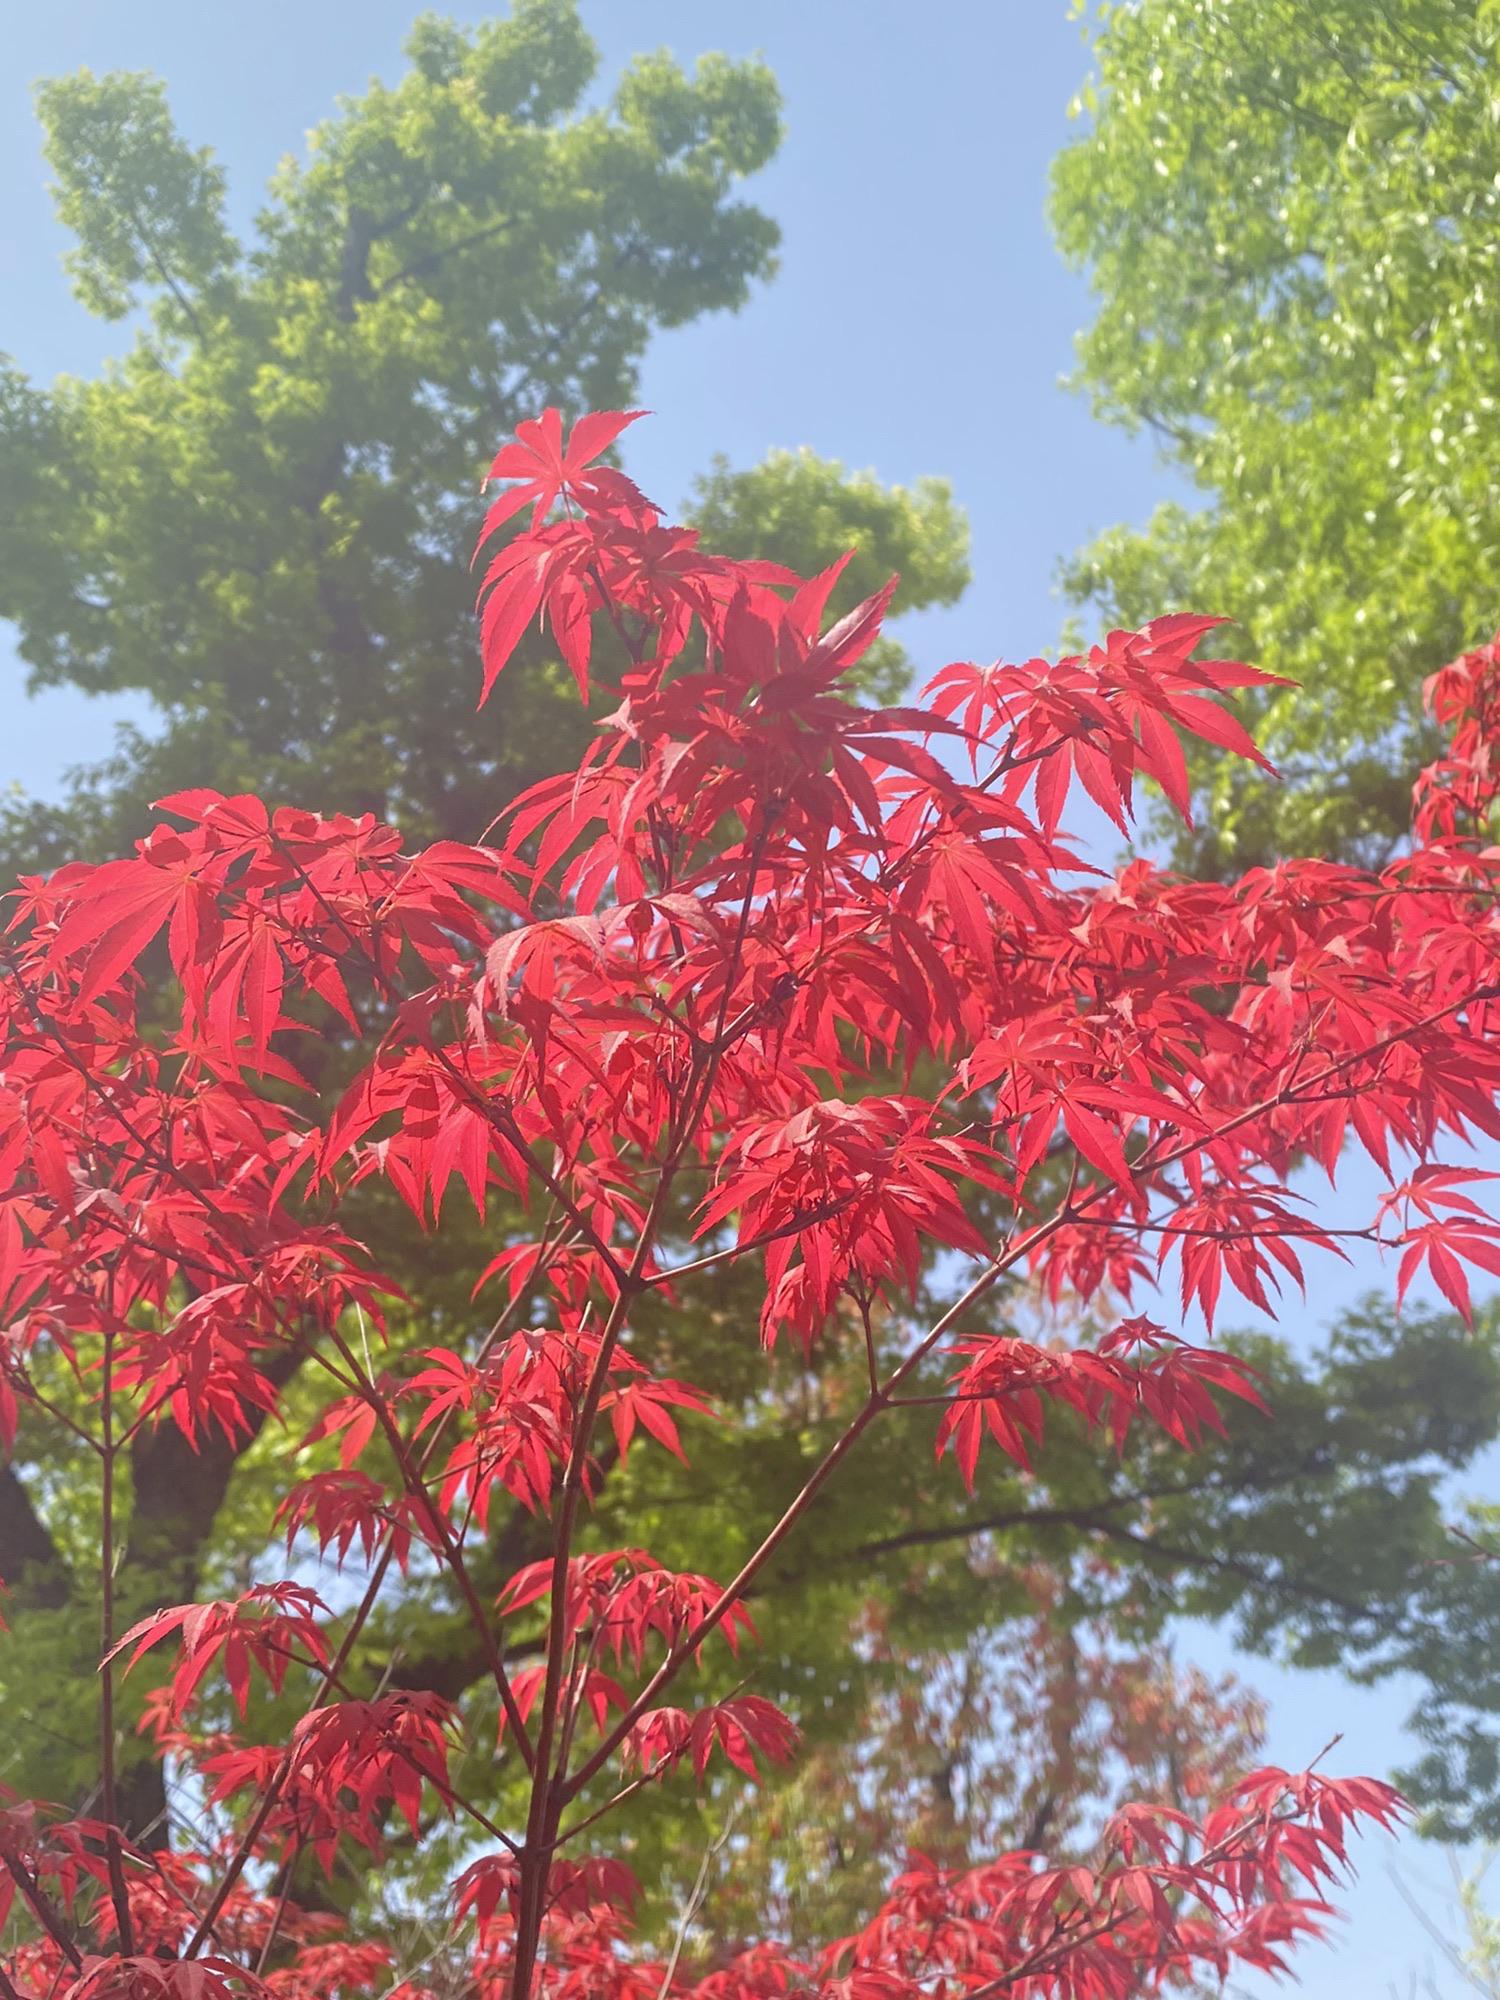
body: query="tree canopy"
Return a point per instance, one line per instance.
(256, 516)
(1289, 217)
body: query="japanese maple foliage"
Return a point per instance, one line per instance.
(824, 976)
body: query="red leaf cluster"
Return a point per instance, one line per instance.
(771, 979)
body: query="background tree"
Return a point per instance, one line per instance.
(257, 517)
(1023, 1737)
(1290, 215)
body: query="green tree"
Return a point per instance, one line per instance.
(258, 516)
(1290, 216)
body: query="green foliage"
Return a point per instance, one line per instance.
(258, 517)
(146, 209)
(1289, 217)
(1479, 1954)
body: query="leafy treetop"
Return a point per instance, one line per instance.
(1288, 214)
(253, 517)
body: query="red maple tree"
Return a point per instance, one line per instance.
(713, 970)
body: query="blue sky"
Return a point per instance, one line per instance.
(920, 323)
